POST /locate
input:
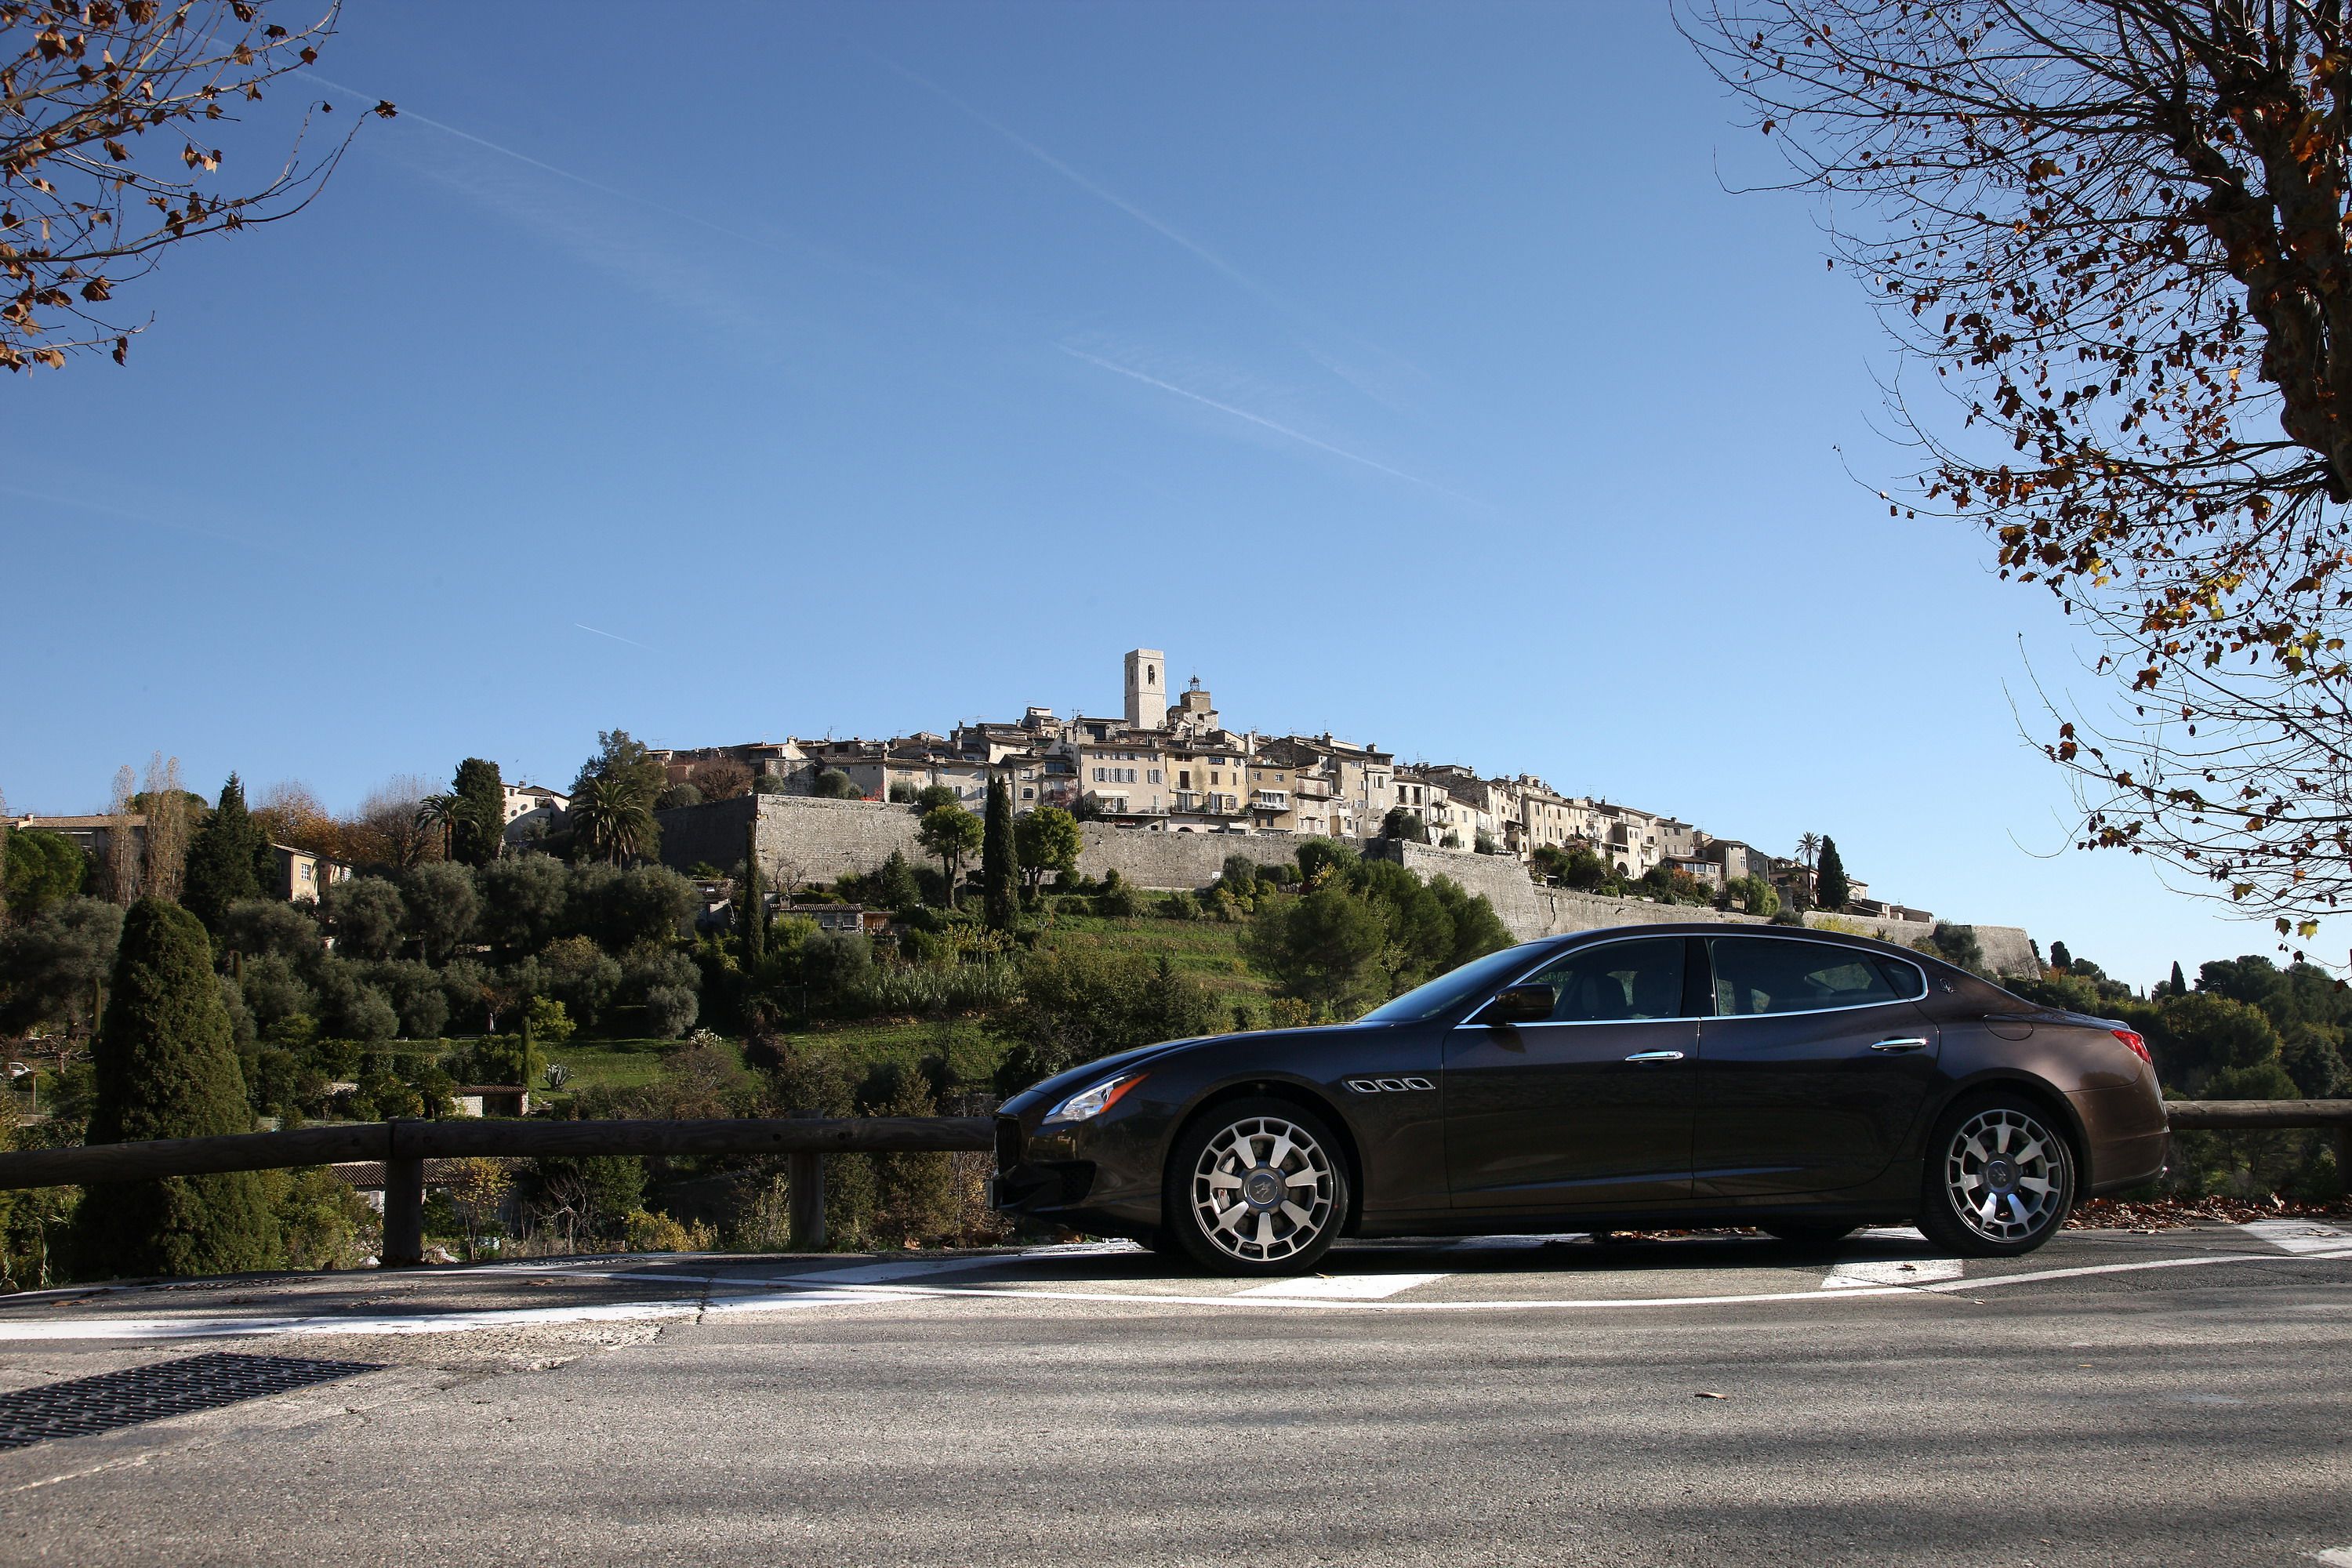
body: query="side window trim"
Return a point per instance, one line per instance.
(1699, 982)
(1883, 961)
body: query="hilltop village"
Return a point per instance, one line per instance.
(1170, 764)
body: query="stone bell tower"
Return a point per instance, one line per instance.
(1147, 688)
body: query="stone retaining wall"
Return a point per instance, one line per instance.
(822, 840)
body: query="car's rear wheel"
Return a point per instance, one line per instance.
(2000, 1177)
(1256, 1186)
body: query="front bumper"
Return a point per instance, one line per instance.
(1092, 1177)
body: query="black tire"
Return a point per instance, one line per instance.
(1296, 1168)
(2000, 1176)
(1796, 1232)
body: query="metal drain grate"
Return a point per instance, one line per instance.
(83, 1405)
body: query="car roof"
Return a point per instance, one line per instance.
(1728, 928)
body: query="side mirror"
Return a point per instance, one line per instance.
(1520, 1004)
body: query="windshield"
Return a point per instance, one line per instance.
(1477, 979)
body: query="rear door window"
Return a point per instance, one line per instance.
(1758, 974)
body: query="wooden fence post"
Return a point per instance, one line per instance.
(404, 1202)
(805, 1191)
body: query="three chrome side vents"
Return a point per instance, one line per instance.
(1388, 1085)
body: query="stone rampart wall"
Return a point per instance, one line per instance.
(821, 840)
(1173, 861)
(1532, 911)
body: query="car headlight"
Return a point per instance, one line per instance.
(1090, 1103)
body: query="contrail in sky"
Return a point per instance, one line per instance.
(614, 635)
(559, 173)
(1298, 435)
(1079, 180)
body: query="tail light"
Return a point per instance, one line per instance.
(2139, 1047)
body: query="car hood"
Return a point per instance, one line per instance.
(1062, 1085)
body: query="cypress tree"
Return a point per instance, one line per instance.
(481, 811)
(1831, 889)
(165, 1066)
(222, 862)
(999, 870)
(2179, 981)
(755, 902)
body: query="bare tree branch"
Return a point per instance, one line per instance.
(106, 115)
(2118, 230)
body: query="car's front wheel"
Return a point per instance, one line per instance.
(2001, 1178)
(1256, 1186)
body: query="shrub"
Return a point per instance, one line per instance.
(915, 1198)
(414, 992)
(933, 988)
(1317, 854)
(832, 784)
(647, 1232)
(1404, 825)
(1080, 1003)
(1118, 901)
(671, 1010)
(551, 1025)
(325, 1223)
(1958, 946)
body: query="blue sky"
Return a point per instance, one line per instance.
(1404, 372)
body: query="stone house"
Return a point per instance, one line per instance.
(1124, 777)
(304, 874)
(93, 835)
(1208, 780)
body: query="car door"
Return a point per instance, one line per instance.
(1590, 1108)
(1811, 1069)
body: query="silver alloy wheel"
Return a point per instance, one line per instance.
(1262, 1190)
(2007, 1174)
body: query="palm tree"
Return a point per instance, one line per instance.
(616, 822)
(442, 811)
(1808, 846)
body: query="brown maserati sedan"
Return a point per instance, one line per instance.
(1798, 1081)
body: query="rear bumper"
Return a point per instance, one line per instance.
(2129, 1162)
(2125, 1133)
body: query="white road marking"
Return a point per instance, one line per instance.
(1515, 1242)
(1891, 1271)
(1312, 1303)
(221, 1327)
(784, 1293)
(1338, 1287)
(2335, 1556)
(2298, 1236)
(1892, 1233)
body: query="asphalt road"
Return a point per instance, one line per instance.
(2178, 1398)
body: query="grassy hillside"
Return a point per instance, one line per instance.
(1207, 949)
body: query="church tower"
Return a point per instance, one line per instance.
(1147, 688)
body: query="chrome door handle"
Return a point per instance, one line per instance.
(1655, 1056)
(1901, 1043)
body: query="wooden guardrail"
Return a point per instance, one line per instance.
(404, 1146)
(2268, 1115)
